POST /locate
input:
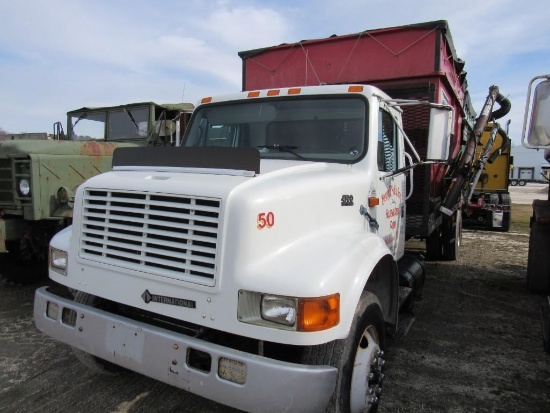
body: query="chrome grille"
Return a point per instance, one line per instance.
(167, 235)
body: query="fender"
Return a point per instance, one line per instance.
(62, 240)
(345, 260)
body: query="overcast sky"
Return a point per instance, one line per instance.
(60, 55)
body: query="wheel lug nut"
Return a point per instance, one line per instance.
(369, 391)
(379, 391)
(370, 376)
(374, 361)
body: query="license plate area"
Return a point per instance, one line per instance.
(125, 342)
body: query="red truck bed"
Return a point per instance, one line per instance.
(415, 61)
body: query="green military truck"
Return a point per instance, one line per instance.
(38, 177)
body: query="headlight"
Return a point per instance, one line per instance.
(289, 313)
(24, 187)
(58, 261)
(281, 310)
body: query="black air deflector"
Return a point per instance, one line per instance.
(242, 159)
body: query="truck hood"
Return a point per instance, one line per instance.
(23, 147)
(237, 223)
(220, 183)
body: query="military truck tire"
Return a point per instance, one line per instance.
(538, 262)
(95, 364)
(359, 359)
(451, 235)
(15, 271)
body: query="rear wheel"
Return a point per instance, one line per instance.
(359, 359)
(433, 245)
(452, 236)
(538, 262)
(94, 363)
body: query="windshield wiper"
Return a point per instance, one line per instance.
(284, 148)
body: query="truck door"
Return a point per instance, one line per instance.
(391, 190)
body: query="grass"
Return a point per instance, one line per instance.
(521, 215)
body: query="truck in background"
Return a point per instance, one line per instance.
(528, 166)
(536, 135)
(14, 136)
(489, 204)
(262, 264)
(38, 177)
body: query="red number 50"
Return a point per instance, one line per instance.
(266, 220)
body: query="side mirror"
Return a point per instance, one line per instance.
(538, 134)
(439, 135)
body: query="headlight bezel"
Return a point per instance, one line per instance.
(310, 313)
(58, 260)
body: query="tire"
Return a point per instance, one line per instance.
(19, 270)
(522, 182)
(505, 200)
(538, 260)
(92, 362)
(545, 323)
(359, 359)
(433, 245)
(451, 235)
(513, 182)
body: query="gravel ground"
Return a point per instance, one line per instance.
(473, 345)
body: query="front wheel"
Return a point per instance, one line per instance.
(359, 359)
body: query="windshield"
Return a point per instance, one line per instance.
(317, 129)
(124, 124)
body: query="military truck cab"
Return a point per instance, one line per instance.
(38, 178)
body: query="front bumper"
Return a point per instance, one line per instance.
(269, 385)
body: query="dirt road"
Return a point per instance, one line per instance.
(474, 345)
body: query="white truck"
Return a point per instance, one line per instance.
(260, 278)
(262, 263)
(536, 135)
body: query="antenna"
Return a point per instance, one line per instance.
(183, 92)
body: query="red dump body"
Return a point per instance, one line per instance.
(408, 62)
